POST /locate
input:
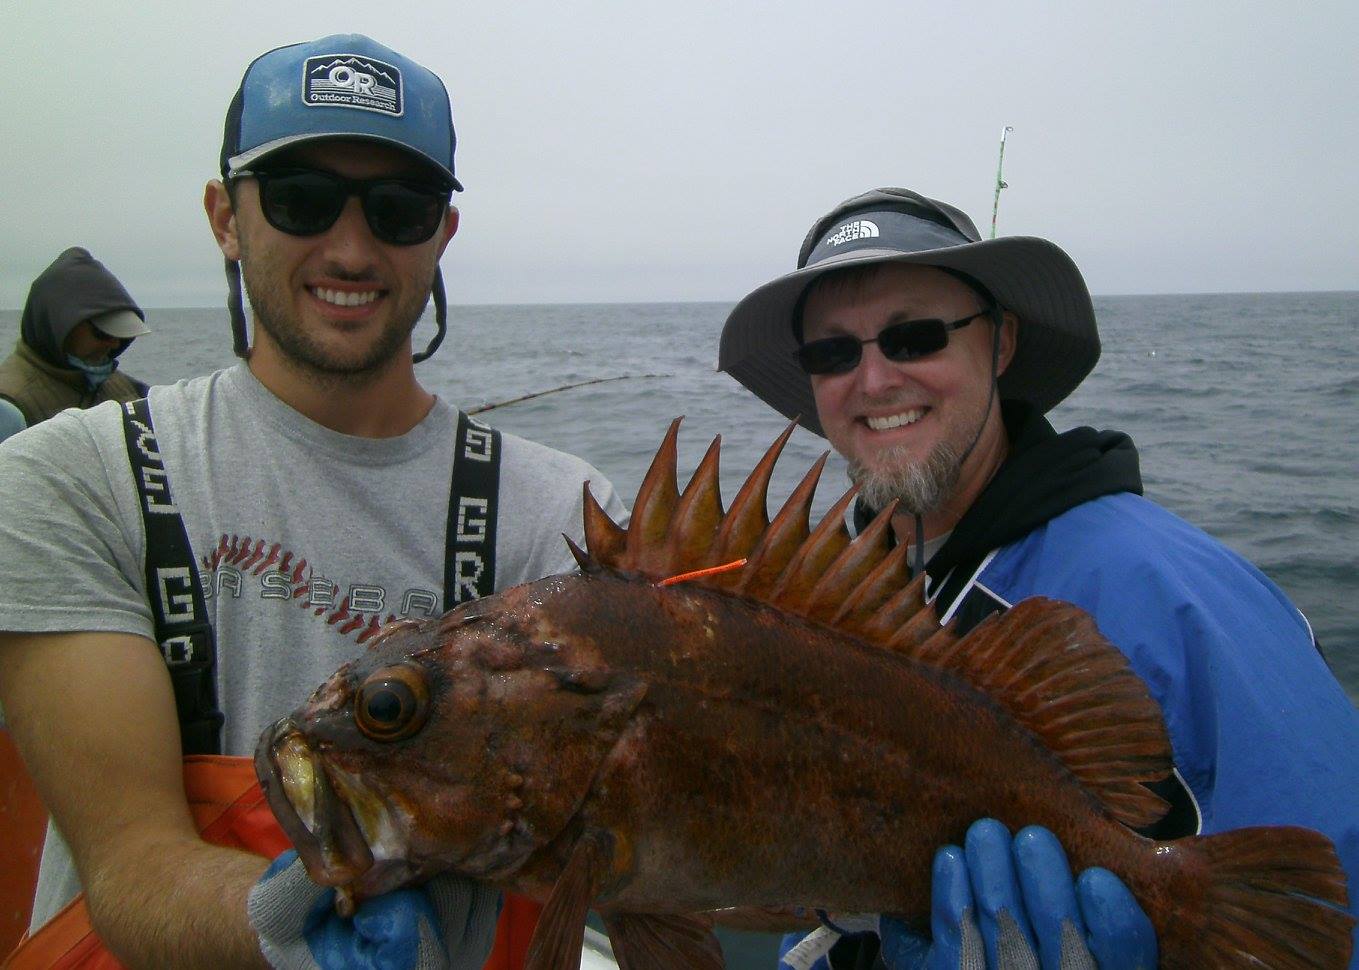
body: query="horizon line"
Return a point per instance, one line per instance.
(218, 305)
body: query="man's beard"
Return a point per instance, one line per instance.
(309, 355)
(919, 487)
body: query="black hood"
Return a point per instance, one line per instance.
(75, 287)
(1045, 475)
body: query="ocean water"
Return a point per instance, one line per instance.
(1244, 407)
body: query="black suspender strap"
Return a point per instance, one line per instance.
(174, 591)
(469, 557)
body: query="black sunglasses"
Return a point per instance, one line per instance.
(907, 340)
(307, 201)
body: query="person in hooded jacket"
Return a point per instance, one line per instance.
(77, 321)
(928, 357)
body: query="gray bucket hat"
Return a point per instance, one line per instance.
(1058, 343)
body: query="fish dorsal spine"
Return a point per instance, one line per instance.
(1044, 662)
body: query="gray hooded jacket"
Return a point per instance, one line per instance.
(37, 378)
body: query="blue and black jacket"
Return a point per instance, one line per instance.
(1262, 733)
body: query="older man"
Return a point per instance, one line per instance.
(77, 320)
(928, 358)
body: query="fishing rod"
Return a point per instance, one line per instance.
(1000, 182)
(554, 390)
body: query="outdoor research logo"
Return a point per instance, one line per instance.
(858, 229)
(350, 81)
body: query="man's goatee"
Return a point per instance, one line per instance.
(920, 487)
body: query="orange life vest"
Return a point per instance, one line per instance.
(230, 810)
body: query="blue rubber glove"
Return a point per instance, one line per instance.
(446, 924)
(992, 900)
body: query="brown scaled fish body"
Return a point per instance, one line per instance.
(795, 732)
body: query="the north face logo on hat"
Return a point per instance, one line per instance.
(858, 229)
(351, 81)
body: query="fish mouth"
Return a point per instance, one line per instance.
(346, 835)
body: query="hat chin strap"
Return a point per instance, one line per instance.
(998, 318)
(240, 338)
(440, 318)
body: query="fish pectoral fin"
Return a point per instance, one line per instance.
(647, 941)
(560, 932)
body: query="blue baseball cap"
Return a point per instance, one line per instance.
(341, 86)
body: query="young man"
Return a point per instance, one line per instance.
(77, 320)
(322, 492)
(928, 358)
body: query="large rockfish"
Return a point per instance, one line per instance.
(792, 731)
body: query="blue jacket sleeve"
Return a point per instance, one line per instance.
(11, 419)
(1262, 732)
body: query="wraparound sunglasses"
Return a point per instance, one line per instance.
(906, 340)
(307, 201)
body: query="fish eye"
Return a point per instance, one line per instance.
(392, 703)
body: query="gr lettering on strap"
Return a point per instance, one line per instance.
(469, 568)
(174, 589)
(152, 483)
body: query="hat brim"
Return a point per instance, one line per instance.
(245, 159)
(123, 324)
(1057, 342)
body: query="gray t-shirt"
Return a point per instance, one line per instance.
(306, 539)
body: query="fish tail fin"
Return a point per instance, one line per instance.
(1271, 897)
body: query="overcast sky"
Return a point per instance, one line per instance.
(646, 151)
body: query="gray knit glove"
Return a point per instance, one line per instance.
(446, 924)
